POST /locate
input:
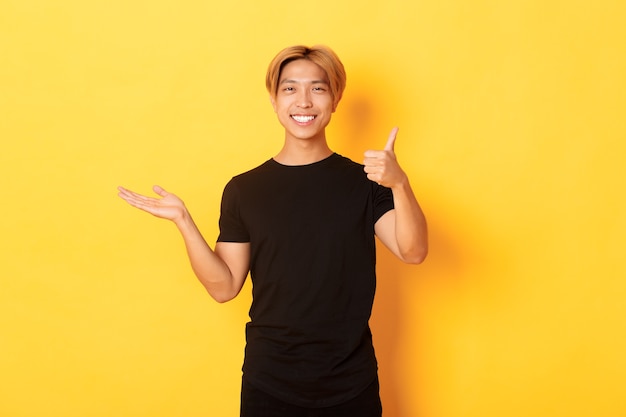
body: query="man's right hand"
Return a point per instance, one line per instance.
(169, 206)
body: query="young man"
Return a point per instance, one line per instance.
(303, 224)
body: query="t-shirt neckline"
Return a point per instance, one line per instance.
(312, 164)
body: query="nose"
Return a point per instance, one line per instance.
(304, 99)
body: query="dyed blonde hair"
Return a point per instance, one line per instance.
(321, 55)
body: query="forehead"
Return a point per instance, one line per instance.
(303, 70)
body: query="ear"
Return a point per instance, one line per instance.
(336, 103)
(273, 101)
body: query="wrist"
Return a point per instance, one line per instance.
(402, 185)
(183, 220)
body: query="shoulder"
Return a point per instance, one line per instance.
(251, 176)
(344, 161)
(259, 170)
(346, 166)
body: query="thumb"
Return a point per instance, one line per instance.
(159, 190)
(391, 141)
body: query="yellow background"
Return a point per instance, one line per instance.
(512, 131)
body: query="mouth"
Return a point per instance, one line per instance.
(302, 119)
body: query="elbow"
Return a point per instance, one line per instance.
(220, 289)
(221, 299)
(416, 256)
(221, 296)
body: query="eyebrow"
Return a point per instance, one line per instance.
(289, 81)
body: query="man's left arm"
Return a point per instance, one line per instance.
(403, 230)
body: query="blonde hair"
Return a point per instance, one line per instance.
(321, 55)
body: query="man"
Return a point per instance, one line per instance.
(303, 224)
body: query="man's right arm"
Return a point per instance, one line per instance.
(223, 271)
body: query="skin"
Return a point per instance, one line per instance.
(304, 106)
(303, 92)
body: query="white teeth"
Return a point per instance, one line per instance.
(303, 119)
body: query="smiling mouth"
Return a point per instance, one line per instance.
(302, 119)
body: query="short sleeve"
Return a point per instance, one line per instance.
(383, 201)
(232, 227)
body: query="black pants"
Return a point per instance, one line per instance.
(256, 403)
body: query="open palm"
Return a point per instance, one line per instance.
(169, 206)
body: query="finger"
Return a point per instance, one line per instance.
(159, 190)
(391, 141)
(371, 169)
(125, 193)
(136, 200)
(123, 190)
(129, 194)
(373, 154)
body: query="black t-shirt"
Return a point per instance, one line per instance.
(313, 256)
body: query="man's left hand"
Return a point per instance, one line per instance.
(382, 166)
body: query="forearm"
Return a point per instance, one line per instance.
(209, 268)
(410, 224)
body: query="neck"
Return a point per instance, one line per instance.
(303, 152)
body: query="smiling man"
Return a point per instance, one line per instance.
(303, 225)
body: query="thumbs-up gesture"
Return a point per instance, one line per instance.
(382, 166)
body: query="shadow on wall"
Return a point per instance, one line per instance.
(464, 285)
(395, 320)
(395, 327)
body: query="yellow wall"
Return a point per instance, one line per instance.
(512, 130)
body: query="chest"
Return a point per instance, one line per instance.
(320, 207)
